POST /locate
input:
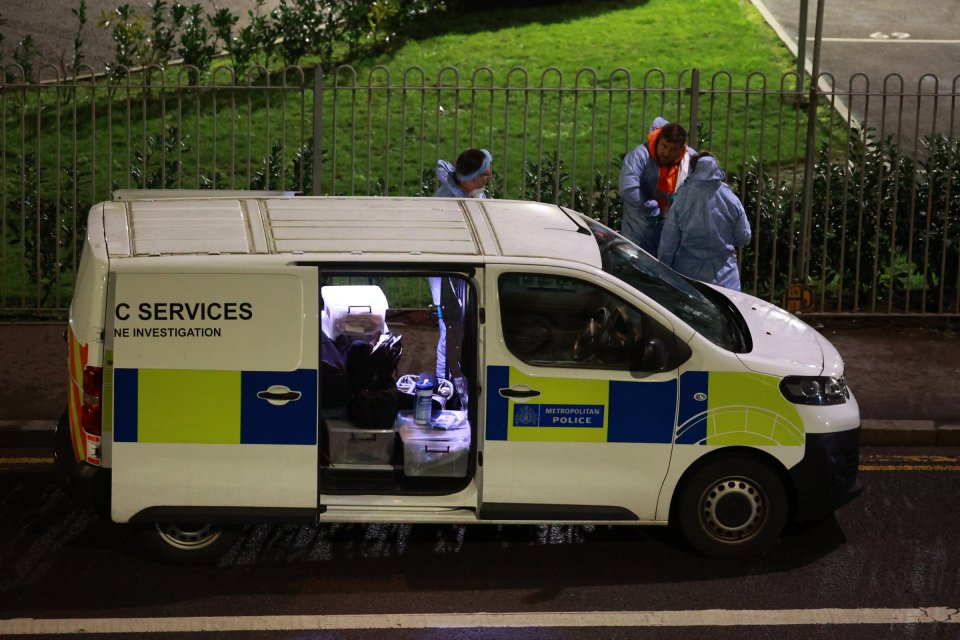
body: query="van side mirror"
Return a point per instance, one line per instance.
(655, 356)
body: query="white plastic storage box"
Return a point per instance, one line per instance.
(358, 311)
(431, 452)
(352, 446)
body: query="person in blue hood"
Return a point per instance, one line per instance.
(649, 177)
(467, 178)
(705, 226)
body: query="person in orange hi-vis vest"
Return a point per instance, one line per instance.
(649, 177)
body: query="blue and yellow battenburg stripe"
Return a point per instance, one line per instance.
(715, 408)
(212, 407)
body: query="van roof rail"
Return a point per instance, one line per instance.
(122, 195)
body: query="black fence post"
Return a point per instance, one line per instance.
(317, 128)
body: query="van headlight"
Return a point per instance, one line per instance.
(821, 390)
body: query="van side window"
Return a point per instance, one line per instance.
(557, 321)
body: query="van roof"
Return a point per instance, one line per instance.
(345, 226)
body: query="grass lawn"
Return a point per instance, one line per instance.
(605, 35)
(610, 45)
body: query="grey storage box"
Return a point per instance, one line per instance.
(431, 452)
(352, 446)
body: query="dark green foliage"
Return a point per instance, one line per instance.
(80, 13)
(3, 21)
(129, 40)
(298, 23)
(197, 45)
(549, 181)
(352, 24)
(387, 18)
(158, 165)
(253, 40)
(39, 227)
(25, 55)
(222, 22)
(295, 28)
(277, 174)
(865, 246)
(163, 37)
(765, 263)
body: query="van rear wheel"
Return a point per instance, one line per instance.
(189, 543)
(734, 507)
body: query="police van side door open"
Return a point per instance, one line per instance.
(581, 399)
(215, 391)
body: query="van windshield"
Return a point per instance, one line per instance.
(706, 311)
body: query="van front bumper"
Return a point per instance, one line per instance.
(826, 478)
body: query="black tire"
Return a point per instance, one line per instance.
(733, 507)
(188, 544)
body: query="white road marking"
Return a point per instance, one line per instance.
(704, 618)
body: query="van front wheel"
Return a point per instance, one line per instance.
(189, 544)
(732, 508)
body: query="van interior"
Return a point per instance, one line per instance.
(388, 339)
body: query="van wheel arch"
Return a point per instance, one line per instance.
(761, 469)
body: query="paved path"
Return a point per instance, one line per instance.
(875, 46)
(53, 27)
(880, 37)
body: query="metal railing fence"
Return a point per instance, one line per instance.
(882, 231)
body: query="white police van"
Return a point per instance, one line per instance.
(243, 357)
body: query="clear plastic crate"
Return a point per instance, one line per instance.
(352, 446)
(430, 452)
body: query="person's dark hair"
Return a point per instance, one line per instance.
(469, 161)
(696, 158)
(673, 132)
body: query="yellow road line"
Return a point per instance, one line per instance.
(926, 462)
(25, 464)
(909, 467)
(912, 458)
(20, 461)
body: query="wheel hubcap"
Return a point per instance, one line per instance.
(733, 509)
(189, 537)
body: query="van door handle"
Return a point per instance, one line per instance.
(279, 394)
(518, 391)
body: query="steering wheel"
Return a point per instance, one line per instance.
(608, 335)
(594, 335)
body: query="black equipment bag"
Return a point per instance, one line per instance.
(372, 375)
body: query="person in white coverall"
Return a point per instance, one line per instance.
(466, 179)
(705, 226)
